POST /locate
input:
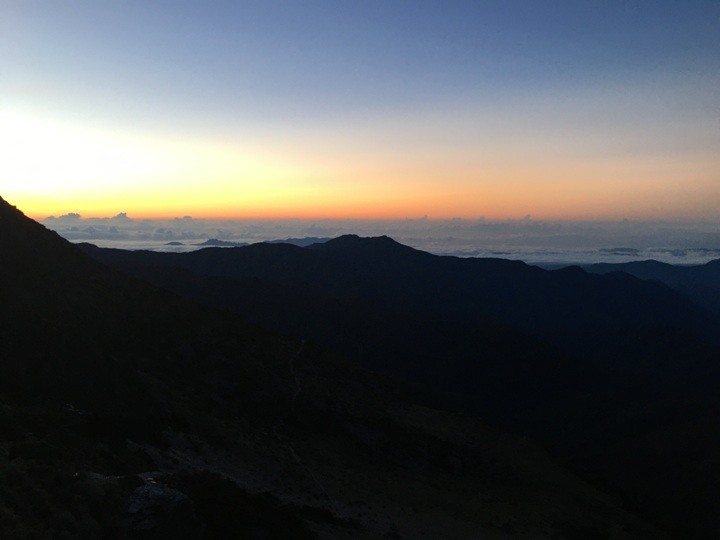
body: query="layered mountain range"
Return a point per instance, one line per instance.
(617, 375)
(351, 389)
(701, 283)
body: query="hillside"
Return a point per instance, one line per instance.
(308, 290)
(127, 412)
(617, 375)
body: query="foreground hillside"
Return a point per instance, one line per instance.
(617, 375)
(127, 412)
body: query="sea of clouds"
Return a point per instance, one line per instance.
(536, 242)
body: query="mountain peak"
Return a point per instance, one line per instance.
(364, 245)
(16, 228)
(27, 247)
(8, 211)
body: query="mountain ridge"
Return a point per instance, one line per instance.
(127, 411)
(700, 283)
(598, 367)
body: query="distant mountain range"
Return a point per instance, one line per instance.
(700, 283)
(221, 243)
(153, 395)
(603, 368)
(301, 242)
(574, 310)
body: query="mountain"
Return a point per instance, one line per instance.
(220, 243)
(301, 242)
(127, 412)
(569, 308)
(617, 376)
(699, 283)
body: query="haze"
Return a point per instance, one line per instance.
(365, 110)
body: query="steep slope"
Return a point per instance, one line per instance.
(126, 412)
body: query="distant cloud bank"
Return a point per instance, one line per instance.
(540, 242)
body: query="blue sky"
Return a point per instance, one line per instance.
(498, 94)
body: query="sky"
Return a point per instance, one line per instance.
(562, 110)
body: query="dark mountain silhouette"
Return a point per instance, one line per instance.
(221, 243)
(301, 242)
(570, 308)
(126, 412)
(699, 283)
(618, 375)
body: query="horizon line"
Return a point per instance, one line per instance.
(424, 218)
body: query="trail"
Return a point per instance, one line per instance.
(296, 391)
(281, 422)
(293, 372)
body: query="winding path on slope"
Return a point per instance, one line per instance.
(291, 450)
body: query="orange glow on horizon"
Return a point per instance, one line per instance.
(100, 173)
(543, 199)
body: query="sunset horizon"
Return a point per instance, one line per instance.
(362, 111)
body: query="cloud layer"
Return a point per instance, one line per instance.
(526, 239)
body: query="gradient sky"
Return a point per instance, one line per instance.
(366, 109)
